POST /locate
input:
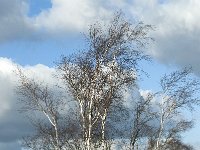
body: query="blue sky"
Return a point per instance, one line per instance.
(36, 52)
(36, 32)
(36, 6)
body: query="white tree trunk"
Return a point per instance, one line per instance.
(103, 122)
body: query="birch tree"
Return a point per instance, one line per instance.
(179, 92)
(159, 117)
(52, 129)
(95, 76)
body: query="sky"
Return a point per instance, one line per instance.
(34, 33)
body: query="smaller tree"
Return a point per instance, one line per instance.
(158, 118)
(179, 92)
(54, 130)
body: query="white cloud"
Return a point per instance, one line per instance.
(67, 15)
(177, 29)
(13, 20)
(64, 17)
(177, 23)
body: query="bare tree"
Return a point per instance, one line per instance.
(158, 118)
(178, 92)
(143, 115)
(53, 130)
(95, 77)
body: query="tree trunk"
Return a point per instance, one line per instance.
(103, 122)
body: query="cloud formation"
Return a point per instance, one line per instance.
(177, 23)
(177, 30)
(64, 17)
(13, 20)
